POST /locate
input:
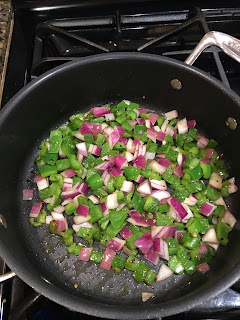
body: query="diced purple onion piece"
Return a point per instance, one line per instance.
(202, 142)
(82, 148)
(126, 233)
(100, 111)
(144, 243)
(82, 210)
(140, 162)
(116, 244)
(207, 208)
(35, 210)
(121, 162)
(84, 254)
(152, 257)
(27, 194)
(176, 205)
(191, 123)
(107, 259)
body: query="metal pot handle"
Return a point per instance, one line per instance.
(7, 276)
(229, 44)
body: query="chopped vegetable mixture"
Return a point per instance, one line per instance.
(145, 184)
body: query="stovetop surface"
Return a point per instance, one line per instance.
(49, 33)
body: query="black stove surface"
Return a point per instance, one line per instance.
(49, 33)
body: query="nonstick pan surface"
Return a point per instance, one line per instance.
(39, 258)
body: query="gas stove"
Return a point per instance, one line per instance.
(49, 33)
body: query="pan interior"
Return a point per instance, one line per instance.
(79, 87)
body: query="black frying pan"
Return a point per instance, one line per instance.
(46, 103)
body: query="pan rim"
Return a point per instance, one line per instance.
(99, 309)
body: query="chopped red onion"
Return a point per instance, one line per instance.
(157, 167)
(152, 257)
(202, 142)
(181, 158)
(210, 236)
(104, 165)
(178, 171)
(104, 209)
(209, 153)
(164, 273)
(139, 179)
(67, 183)
(164, 125)
(105, 178)
(35, 210)
(62, 225)
(148, 123)
(215, 181)
(59, 209)
(142, 110)
(179, 209)
(161, 248)
(86, 128)
(146, 296)
(123, 140)
(229, 219)
(232, 187)
(94, 150)
(158, 184)
(163, 231)
(114, 172)
(221, 201)
(144, 243)
(156, 128)
(164, 162)
(113, 138)
(129, 156)
(82, 148)
(145, 188)
(69, 173)
(182, 126)
(178, 234)
(127, 186)
(130, 146)
(161, 135)
(57, 215)
(169, 131)
(84, 254)
(116, 244)
(161, 155)
(126, 233)
(107, 131)
(150, 155)
(48, 219)
(70, 194)
(191, 200)
(79, 136)
(122, 205)
(100, 111)
(138, 222)
(38, 178)
(205, 161)
(119, 129)
(112, 202)
(153, 118)
(80, 219)
(203, 248)
(27, 194)
(66, 202)
(171, 115)
(207, 208)
(140, 121)
(42, 184)
(94, 199)
(121, 162)
(203, 267)
(132, 122)
(109, 117)
(47, 200)
(191, 123)
(107, 259)
(84, 173)
(160, 195)
(151, 133)
(83, 189)
(140, 162)
(82, 210)
(189, 213)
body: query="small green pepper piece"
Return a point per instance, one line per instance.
(95, 181)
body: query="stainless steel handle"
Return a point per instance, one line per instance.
(7, 276)
(229, 44)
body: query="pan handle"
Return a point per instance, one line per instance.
(7, 276)
(229, 44)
